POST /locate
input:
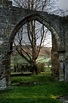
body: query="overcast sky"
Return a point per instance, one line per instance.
(55, 5)
(62, 4)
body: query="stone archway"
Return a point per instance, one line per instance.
(53, 30)
(11, 20)
(42, 20)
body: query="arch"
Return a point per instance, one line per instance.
(34, 16)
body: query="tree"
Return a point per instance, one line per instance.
(28, 40)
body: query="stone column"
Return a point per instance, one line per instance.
(55, 58)
(2, 76)
(62, 66)
(2, 68)
(4, 63)
(66, 70)
(66, 54)
(55, 64)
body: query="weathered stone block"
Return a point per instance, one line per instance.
(2, 83)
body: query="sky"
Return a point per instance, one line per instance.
(62, 4)
(54, 6)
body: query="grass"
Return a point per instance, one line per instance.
(43, 59)
(40, 88)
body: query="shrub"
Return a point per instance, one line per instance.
(41, 67)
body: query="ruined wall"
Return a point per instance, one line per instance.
(10, 18)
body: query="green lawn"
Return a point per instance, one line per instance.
(34, 89)
(43, 59)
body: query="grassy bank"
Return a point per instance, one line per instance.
(34, 89)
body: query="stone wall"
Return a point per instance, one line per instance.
(5, 3)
